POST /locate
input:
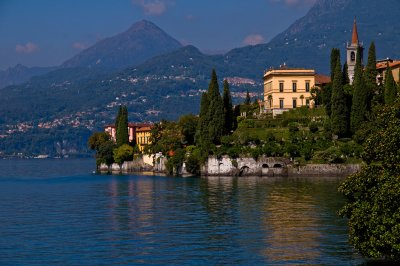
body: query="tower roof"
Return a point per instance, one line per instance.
(354, 38)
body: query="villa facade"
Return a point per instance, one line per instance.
(287, 88)
(138, 132)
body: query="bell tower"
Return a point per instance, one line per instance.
(352, 50)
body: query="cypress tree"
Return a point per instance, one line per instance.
(215, 111)
(327, 91)
(247, 100)
(122, 133)
(370, 75)
(390, 87)
(236, 114)
(339, 119)
(345, 73)
(335, 56)
(202, 133)
(370, 71)
(117, 120)
(228, 111)
(360, 97)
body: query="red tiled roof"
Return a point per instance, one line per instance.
(322, 79)
(383, 65)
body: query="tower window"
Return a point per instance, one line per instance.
(353, 56)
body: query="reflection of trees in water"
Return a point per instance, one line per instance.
(131, 215)
(292, 226)
(219, 199)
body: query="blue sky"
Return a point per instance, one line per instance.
(48, 32)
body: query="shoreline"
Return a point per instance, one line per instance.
(240, 167)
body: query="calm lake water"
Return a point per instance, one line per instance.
(57, 212)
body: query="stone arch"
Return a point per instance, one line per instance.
(265, 165)
(244, 170)
(278, 165)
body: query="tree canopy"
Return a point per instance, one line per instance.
(372, 207)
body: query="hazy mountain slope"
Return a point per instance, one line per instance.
(309, 40)
(140, 42)
(20, 74)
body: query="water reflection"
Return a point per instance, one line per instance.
(225, 220)
(292, 226)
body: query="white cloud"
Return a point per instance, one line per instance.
(79, 45)
(253, 39)
(153, 7)
(27, 48)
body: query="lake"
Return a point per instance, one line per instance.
(57, 212)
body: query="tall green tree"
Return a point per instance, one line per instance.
(339, 115)
(345, 73)
(228, 111)
(370, 74)
(247, 100)
(201, 137)
(236, 114)
(117, 118)
(215, 111)
(122, 129)
(335, 57)
(360, 97)
(390, 87)
(327, 91)
(370, 70)
(326, 96)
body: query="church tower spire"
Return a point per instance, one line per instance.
(354, 38)
(352, 49)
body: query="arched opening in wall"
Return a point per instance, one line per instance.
(243, 170)
(278, 165)
(265, 166)
(353, 56)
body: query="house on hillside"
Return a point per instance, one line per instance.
(381, 67)
(288, 88)
(138, 132)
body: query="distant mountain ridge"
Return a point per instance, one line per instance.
(168, 85)
(140, 42)
(20, 74)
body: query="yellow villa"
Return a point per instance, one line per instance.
(287, 88)
(140, 133)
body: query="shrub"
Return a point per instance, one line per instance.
(293, 127)
(313, 126)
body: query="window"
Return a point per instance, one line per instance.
(281, 86)
(307, 86)
(307, 102)
(294, 86)
(294, 103)
(281, 103)
(353, 56)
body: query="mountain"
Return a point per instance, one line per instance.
(328, 24)
(80, 99)
(20, 74)
(140, 42)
